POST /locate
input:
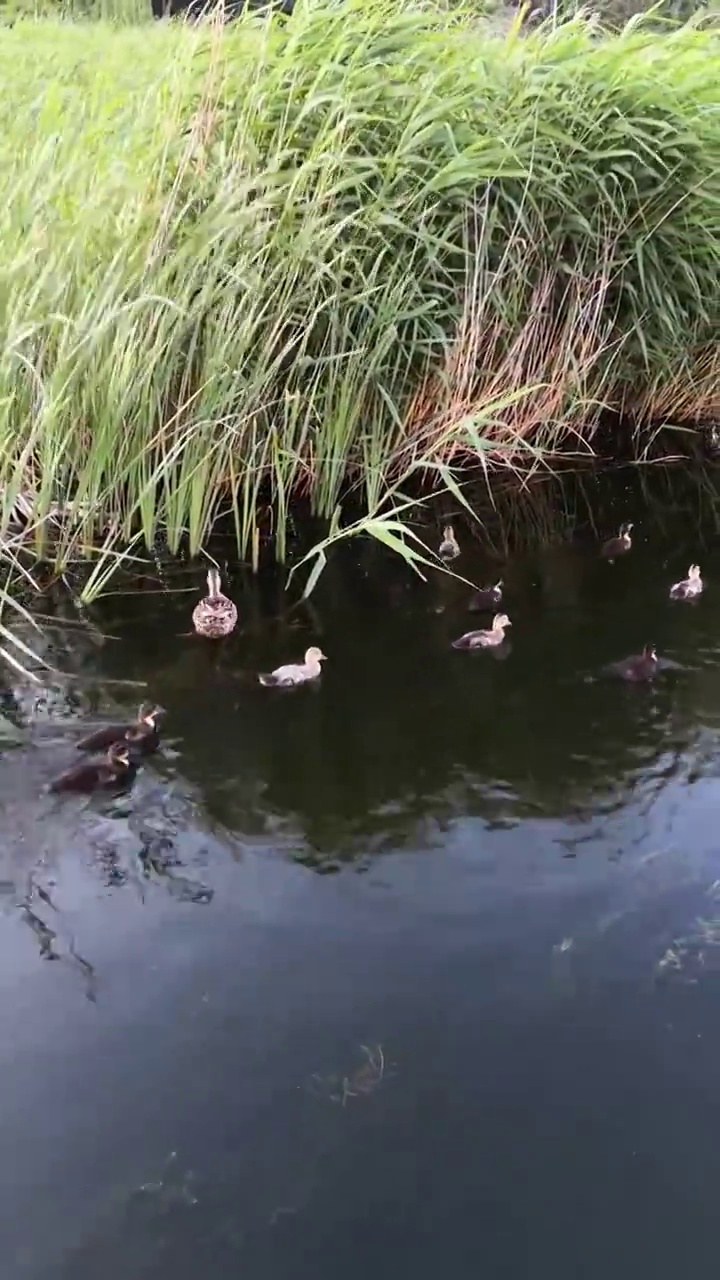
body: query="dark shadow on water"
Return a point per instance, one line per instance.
(416, 968)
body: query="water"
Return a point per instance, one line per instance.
(416, 970)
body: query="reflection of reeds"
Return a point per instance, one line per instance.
(15, 652)
(361, 1081)
(403, 246)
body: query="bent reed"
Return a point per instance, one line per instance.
(246, 264)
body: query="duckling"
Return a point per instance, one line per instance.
(486, 598)
(142, 735)
(295, 672)
(618, 546)
(449, 548)
(643, 666)
(485, 639)
(214, 616)
(116, 770)
(690, 588)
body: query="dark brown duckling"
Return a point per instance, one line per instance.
(486, 598)
(618, 546)
(643, 666)
(115, 770)
(142, 735)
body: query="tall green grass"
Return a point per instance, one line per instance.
(366, 248)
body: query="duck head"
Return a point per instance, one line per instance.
(314, 656)
(500, 622)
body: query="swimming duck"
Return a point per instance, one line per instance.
(295, 672)
(116, 769)
(690, 587)
(214, 616)
(643, 666)
(142, 734)
(449, 548)
(618, 546)
(486, 598)
(485, 639)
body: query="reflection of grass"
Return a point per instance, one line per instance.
(686, 955)
(13, 650)
(360, 1082)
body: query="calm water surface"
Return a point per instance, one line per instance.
(417, 970)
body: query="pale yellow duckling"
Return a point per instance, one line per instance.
(294, 673)
(485, 639)
(690, 588)
(214, 616)
(449, 548)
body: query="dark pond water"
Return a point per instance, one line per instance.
(417, 970)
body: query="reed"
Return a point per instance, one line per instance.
(356, 252)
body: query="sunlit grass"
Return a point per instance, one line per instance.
(350, 253)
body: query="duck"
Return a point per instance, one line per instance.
(294, 673)
(485, 639)
(116, 769)
(690, 588)
(215, 615)
(142, 734)
(618, 546)
(643, 666)
(449, 548)
(486, 598)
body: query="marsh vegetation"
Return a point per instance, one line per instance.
(339, 260)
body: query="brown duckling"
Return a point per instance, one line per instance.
(215, 615)
(115, 770)
(449, 548)
(142, 734)
(294, 673)
(486, 598)
(485, 639)
(643, 666)
(618, 546)
(690, 588)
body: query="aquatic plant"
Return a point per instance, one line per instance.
(358, 252)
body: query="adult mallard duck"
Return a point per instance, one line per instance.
(142, 734)
(690, 588)
(485, 639)
(449, 548)
(486, 598)
(214, 616)
(294, 673)
(114, 771)
(642, 666)
(618, 546)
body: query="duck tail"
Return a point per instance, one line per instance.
(268, 680)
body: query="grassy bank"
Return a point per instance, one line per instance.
(369, 244)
